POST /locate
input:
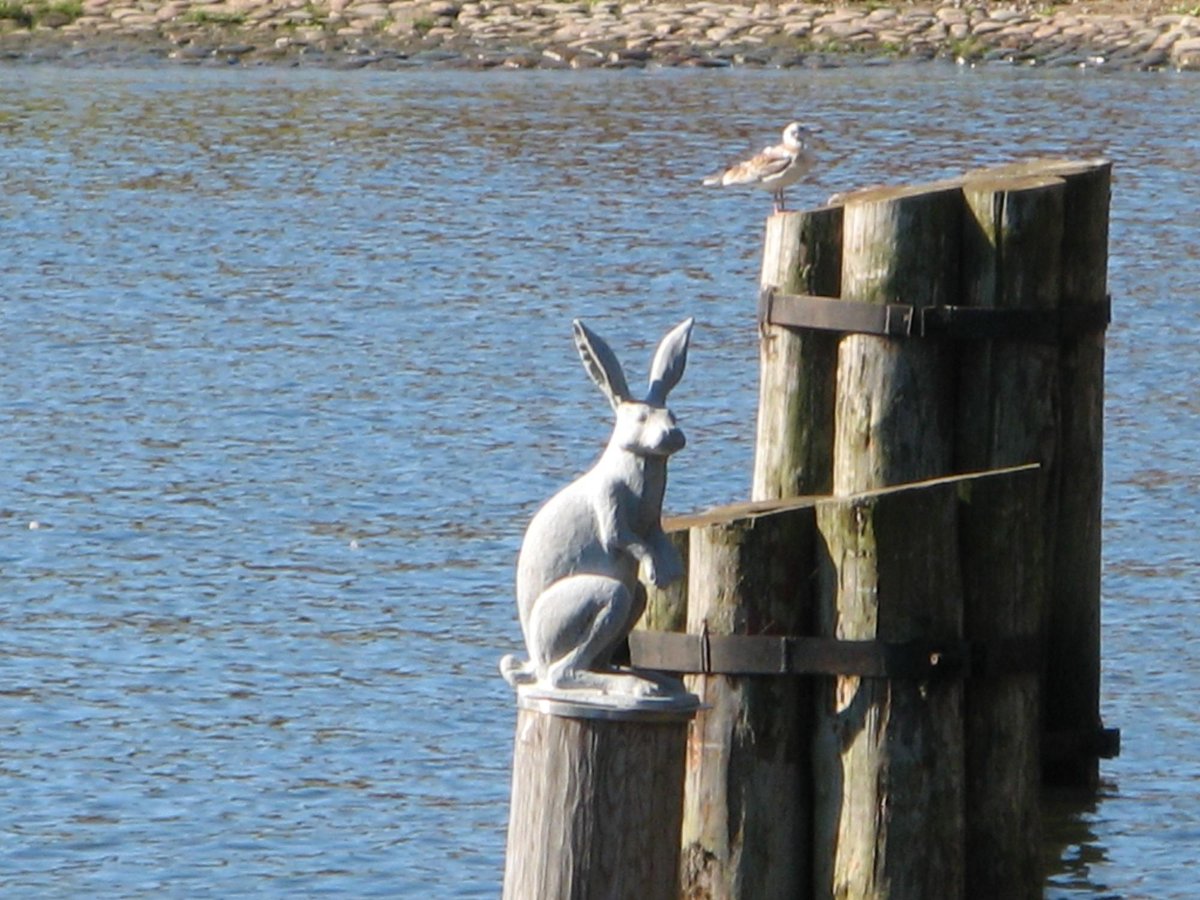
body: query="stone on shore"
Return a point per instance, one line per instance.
(610, 33)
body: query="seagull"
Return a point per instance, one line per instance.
(773, 168)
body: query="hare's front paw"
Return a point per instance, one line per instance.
(652, 572)
(663, 570)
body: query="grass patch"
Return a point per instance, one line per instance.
(54, 15)
(970, 49)
(17, 13)
(225, 20)
(320, 17)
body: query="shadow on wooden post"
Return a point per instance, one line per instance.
(666, 608)
(1074, 734)
(1008, 413)
(1072, 700)
(1004, 581)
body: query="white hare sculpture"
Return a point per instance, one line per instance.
(577, 575)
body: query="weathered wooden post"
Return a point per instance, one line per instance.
(748, 799)
(598, 761)
(1075, 738)
(888, 752)
(955, 329)
(1008, 387)
(1008, 408)
(596, 803)
(802, 254)
(1002, 558)
(666, 607)
(1072, 700)
(893, 409)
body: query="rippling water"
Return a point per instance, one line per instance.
(287, 366)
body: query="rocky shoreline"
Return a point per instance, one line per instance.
(579, 34)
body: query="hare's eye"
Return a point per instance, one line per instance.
(643, 415)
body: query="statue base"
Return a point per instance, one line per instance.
(586, 703)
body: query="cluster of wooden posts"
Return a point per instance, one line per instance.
(897, 639)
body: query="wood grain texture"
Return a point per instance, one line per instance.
(747, 807)
(888, 754)
(666, 607)
(1008, 413)
(596, 809)
(1003, 562)
(893, 409)
(1072, 698)
(794, 443)
(1071, 690)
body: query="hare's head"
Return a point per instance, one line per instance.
(644, 427)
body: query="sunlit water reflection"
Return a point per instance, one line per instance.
(287, 366)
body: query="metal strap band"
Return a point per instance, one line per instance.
(714, 654)
(786, 655)
(948, 322)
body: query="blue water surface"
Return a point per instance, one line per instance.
(287, 366)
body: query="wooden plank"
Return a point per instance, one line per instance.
(596, 809)
(794, 443)
(747, 803)
(888, 754)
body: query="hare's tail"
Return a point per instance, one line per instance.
(516, 672)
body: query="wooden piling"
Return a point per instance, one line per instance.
(1008, 413)
(1005, 563)
(888, 753)
(596, 808)
(893, 407)
(802, 253)
(1002, 559)
(1072, 701)
(666, 607)
(1074, 734)
(748, 796)
(1008, 390)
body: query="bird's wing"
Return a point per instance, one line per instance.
(771, 161)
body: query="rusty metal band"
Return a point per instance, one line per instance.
(714, 654)
(944, 322)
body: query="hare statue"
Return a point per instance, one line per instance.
(578, 594)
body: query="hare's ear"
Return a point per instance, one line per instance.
(669, 361)
(601, 364)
